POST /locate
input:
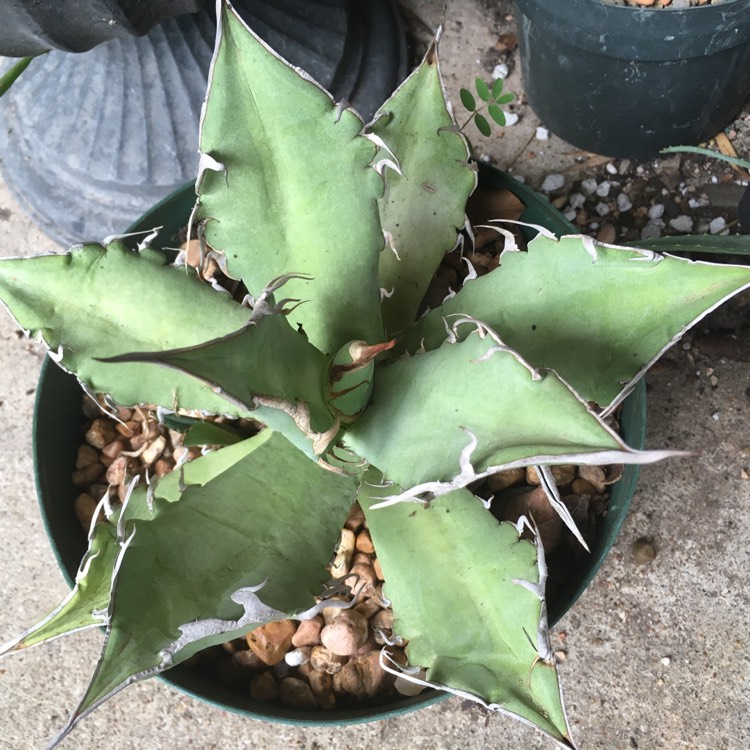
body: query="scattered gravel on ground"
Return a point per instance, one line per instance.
(669, 195)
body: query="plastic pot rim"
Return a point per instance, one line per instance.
(643, 34)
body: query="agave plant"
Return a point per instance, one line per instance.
(336, 229)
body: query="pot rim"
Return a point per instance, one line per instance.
(643, 34)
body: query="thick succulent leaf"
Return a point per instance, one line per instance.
(196, 473)
(96, 302)
(349, 380)
(725, 244)
(470, 603)
(597, 315)
(425, 438)
(230, 555)
(87, 603)
(423, 205)
(266, 362)
(210, 433)
(271, 141)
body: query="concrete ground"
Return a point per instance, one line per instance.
(656, 653)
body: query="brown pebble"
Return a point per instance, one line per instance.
(271, 641)
(321, 684)
(305, 670)
(377, 593)
(323, 660)
(399, 656)
(180, 454)
(85, 507)
(175, 438)
(100, 433)
(356, 518)
(90, 408)
(98, 491)
(343, 555)
(308, 632)
(364, 542)
(113, 449)
(118, 471)
(613, 473)
(583, 487)
(560, 201)
(643, 550)
(264, 687)
(607, 234)
(594, 475)
(361, 558)
(369, 645)
(86, 457)
(345, 634)
(368, 607)
(361, 579)
(162, 467)
(378, 570)
(535, 505)
(237, 644)
(247, 659)
(504, 479)
(298, 693)
(382, 637)
(563, 474)
(507, 42)
(383, 620)
(362, 676)
(128, 429)
(139, 439)
(88, 475)
(124, 414)
(331, 613)
(154, 450)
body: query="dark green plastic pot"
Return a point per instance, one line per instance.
(626, 81)
(58, 431)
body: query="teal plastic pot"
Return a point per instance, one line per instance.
(58, 431)
(627, 81)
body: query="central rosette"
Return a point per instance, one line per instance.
(349, 383)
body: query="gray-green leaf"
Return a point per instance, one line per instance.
(597, 315)
(268, 199)
(424, 439)
(95, 302)
(423, 207)
(471, 604)
(226, 557)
